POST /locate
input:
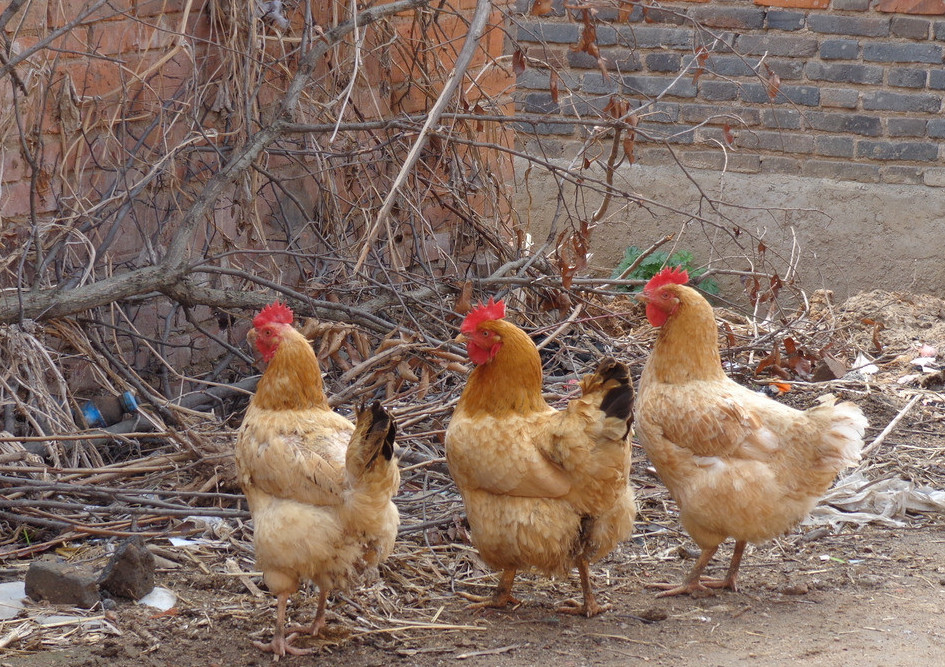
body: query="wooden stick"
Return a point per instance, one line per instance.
(889, 427)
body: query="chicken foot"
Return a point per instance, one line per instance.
(280, 644)
(590, 607)
(498, 600)
(695, 584)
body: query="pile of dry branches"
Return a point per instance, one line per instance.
(284, 166)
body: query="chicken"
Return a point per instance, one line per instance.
(738, 463)
(319, 488)
(543, 488)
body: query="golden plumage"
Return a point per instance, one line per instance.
(543, 488)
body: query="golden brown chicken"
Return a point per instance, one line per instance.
(319, 488)
(737, 463)
(543, 488)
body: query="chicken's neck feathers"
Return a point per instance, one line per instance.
(508, 384)
(687, 346)
(293, 379)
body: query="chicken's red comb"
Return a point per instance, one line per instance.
(676, 275)
(494, 310)
(274, 312)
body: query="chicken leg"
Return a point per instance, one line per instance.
(319, 621)
(498, 600)
(280, 644)
(694, 584)
(590, 607)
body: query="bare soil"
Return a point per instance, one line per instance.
(875, 596)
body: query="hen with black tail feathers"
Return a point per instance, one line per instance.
(544, 489)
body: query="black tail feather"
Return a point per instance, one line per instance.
(618, 402)
(381, 421)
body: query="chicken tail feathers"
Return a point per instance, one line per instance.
(843, 439)
(373, 438)
(613, 379)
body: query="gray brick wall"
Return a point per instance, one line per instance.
(860, 98)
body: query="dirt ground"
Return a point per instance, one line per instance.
(874, 596)
(849, 594)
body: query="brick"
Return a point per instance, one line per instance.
(545, 31)
(663, 62)
(718, 91)
(664, 112)
(883, 100)
(906, 175)
(787, 69)
(651, 86)
(729, 66)
(842, 98)
(675, 134)
(845, 123)
(778, 164)
(595, 84)
(844, 171)
(782, 119)
(911, 6)
(939, 30)
(840, 49)
(937, 79)
(844, 73)
(624, 61)
(12, 165)
(788, 142)
(734, 18)
(851, 5)
(539, 79)
(606, 35)
(907, 78)
(936, 128)
(652, 14)
(544, 128)
(776, 45)
(582, 106)
(848, 25)
(744, 163)
(801, 4)
(785, 20)
(934, 177)
(831, 146)
(656, 37)
(700, 113)
(540, 103)
(906, 127)
(910, 28)
(145, 8)
(904, 150)
(903, 53)
(714, 160)
(808, 96)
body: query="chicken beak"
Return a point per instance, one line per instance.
(642, 297)
(251, 336)
(460, 338)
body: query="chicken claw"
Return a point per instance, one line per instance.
(698, 586)
(590, 608)
(280, 645)
(501, 599)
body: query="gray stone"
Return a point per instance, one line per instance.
(130, 571)
(62, 583)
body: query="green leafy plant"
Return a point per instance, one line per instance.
(654, 263)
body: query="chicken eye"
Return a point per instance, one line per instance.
(486, 334)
